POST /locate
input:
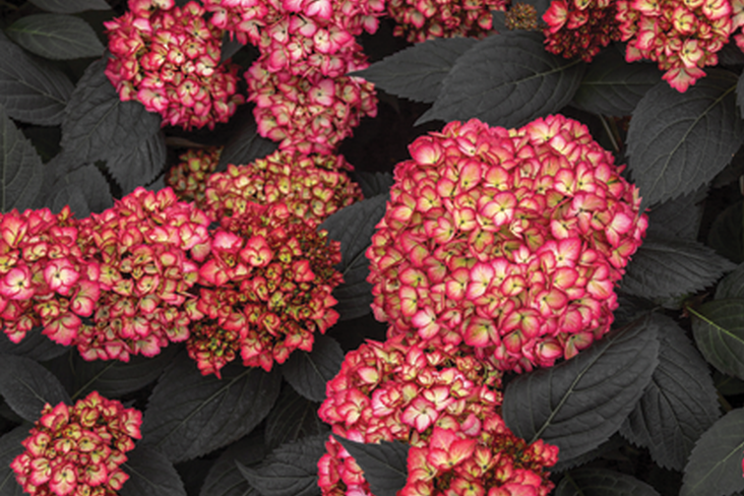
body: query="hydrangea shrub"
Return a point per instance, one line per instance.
(371, 247)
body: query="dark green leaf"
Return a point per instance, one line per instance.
(727, 385)
(678, 218)
(373, 184)
(679, 404)
(613, 87)
(291, 469)
(113, 378)
(229, 47)
(293, 417)
(35, 346)
(189, 414)
(353, 227)
(731, 286)
(20, 167)
(11, 447)
(31, 91)
(602, 482)
(580, 403)
(726, 235)
(246, 145)
(714, 467)
(45, 140)
(139, 165)
(56, 36)
(417, 72)
(309, 372)
(506, 80)
(718, 328)
(384, 464)
(27, 386)
(740, 94)
(663, 268)
(608, 449)
(540, 5)
(699, 133)
(225, 479)
(85, 190)
(71, 6)
(150, 472)
(98, 126)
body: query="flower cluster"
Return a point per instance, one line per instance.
(188, 178)
(521, 16)
(77, 450)
(444, 403)
(420, 20)
(147, 247)
(509, 240)
(267, 286)
(682, 36)
(44, 278)
(168, 58)
(311, 187)
(303, 97)
(580, 28)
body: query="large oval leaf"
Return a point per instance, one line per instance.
(385, 464)
(84, 190)
(309, 372)
(714, 467)
(31, 90)
(353, 227)
(56, 36)
(224, 478)
(602, 482)
(20, 167)
(580, 403)
(71, 6)
(27, 386)
(189, 414)
(506, 80)
(292, 418)
(150, 472)
(679, 404)
(10, 447)
(699, 133)
(718, 328)
(139, 165)
(417, 72)
(35, 346)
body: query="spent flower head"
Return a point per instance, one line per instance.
(168, 58)
(443, 402)
(77, 450)
(580, 28)
(510, 241)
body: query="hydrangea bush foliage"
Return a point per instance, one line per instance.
(371, 247)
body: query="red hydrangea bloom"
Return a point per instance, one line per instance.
(310, 114)
(509, 240)
(443, 402)
(682, 36)
(168, 58)
(311, 187)
(189, 177)
(420, 20)
(266, 288)
(77, 450)
(147, 246)
(580, 28)
(44, 278)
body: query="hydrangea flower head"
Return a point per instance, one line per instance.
(580, 28)
(683, 37)
(147, 246)
(168, 58)
(266, 288)
(45, 279)
(446, 405)
(189, 177)
(77, 450)
(311, 187)
(510, 241)
(420, 20)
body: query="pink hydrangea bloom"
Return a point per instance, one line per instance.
(420, 20)
(511, 241)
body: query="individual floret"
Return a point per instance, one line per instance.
(446, 405)
(420, 20)
(266, 289)
(682, 36)
(77, 450)
(312, 187)
(189, 177)
(148, 247)
(509, 240)
(168, 58)
(580, 28)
